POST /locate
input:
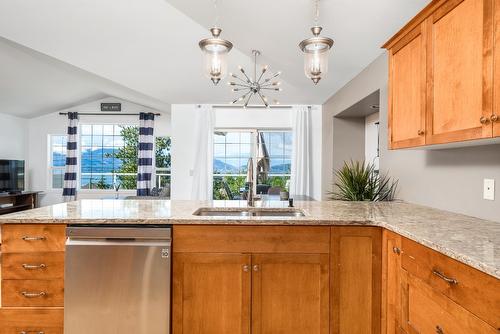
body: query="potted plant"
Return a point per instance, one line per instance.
(360, 181)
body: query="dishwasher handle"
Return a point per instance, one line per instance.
(117, 242)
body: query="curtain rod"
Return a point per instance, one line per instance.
(226, 106)
(106, 114)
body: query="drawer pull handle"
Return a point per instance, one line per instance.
(246, 268)
(396, 250)
(255, 267)
(444, 277)
(33, 294)
(439, 330)
(27, 238)
(34, 266)
(27, 332)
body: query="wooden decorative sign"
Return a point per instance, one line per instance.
(111, 107)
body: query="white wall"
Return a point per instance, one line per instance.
(371, 139)
(183, 139)
(40, 128)
(13, 137)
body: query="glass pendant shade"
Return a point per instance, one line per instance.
(215, 52)
(316, 51)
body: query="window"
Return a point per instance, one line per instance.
(108, 157)
(57, 160)
(233, 148)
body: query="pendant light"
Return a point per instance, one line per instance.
(215, 50)
(316, 51)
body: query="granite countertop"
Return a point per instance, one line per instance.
(473, 241)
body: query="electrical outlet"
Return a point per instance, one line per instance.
(489, 189)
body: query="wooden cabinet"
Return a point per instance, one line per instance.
(460, 63)
(290, 293)
(32, 286)
(443, 78)
(475, 291)
(356, 280)
(391, 283)
(407, 67)
(211, 293)
(251, 280)
(425, 310)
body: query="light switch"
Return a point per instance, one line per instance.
(489, 189)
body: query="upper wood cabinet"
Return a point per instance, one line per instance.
(441, 78)
(407, 90)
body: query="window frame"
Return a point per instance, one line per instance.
(254, 131)
(156, 176)
(50, 165)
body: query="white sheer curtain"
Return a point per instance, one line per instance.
(300, 181)
(203, 124)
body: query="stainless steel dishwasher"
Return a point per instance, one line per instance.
(117, 280)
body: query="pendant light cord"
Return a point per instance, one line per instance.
(216, 11)
(316, 12)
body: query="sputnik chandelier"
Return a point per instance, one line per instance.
(250, 87)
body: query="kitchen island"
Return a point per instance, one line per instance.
(357, 267)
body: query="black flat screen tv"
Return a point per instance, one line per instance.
(11, 176)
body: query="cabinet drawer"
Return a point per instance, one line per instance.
(29, 266)
(25, 293)
(468, 287)
(428, 311)
(31, 321)
(251, 239)
(20, 238)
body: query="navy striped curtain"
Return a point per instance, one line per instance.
(145, 154)
(69, 189)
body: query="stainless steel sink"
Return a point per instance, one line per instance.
(248, 212)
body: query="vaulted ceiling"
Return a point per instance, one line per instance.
(147, 50)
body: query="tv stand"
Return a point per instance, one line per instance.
(19, 201)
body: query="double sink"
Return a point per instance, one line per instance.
(249, 212)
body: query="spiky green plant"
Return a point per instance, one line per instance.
(359, 181)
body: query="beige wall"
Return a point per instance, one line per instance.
(448, 179)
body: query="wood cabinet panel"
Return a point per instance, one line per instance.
(211, 293)
(290, 293)
(473, 290)
(428, 311)
(26, 238)
(459, 64)
(49, 265)
(496, 69)
(391, 283)
(251, 239)
(356, 280)
(32, 293)
(407, 75)
(31, 320)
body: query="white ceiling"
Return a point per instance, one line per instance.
(33, 84)
(149, 47)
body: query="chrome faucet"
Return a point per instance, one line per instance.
(249, 182)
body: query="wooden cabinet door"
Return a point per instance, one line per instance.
(460, 71)
(407, 82)
(290, 293)
(391, 283)
(211, 293)
(356, 280)
(496, 71)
